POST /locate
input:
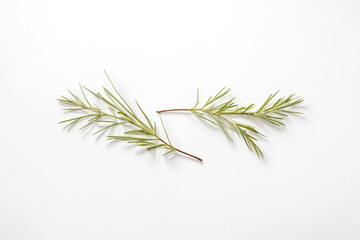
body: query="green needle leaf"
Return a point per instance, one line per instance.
(221, 109)
(141, 134)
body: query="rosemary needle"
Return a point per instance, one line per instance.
(143, 133)
(217, 111)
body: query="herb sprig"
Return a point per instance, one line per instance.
(144, 133)
(217, 111)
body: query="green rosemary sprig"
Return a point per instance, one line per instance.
(144, 132)
(217, 111)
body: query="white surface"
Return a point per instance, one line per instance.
(59, 184)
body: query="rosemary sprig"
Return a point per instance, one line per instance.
(144, 132)
(217, 111)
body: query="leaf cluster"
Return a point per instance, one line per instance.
(143, 132)
(217, 110)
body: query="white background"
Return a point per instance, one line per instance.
(65, 184)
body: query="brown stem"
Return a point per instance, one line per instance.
(173, 110)
(185, 153)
